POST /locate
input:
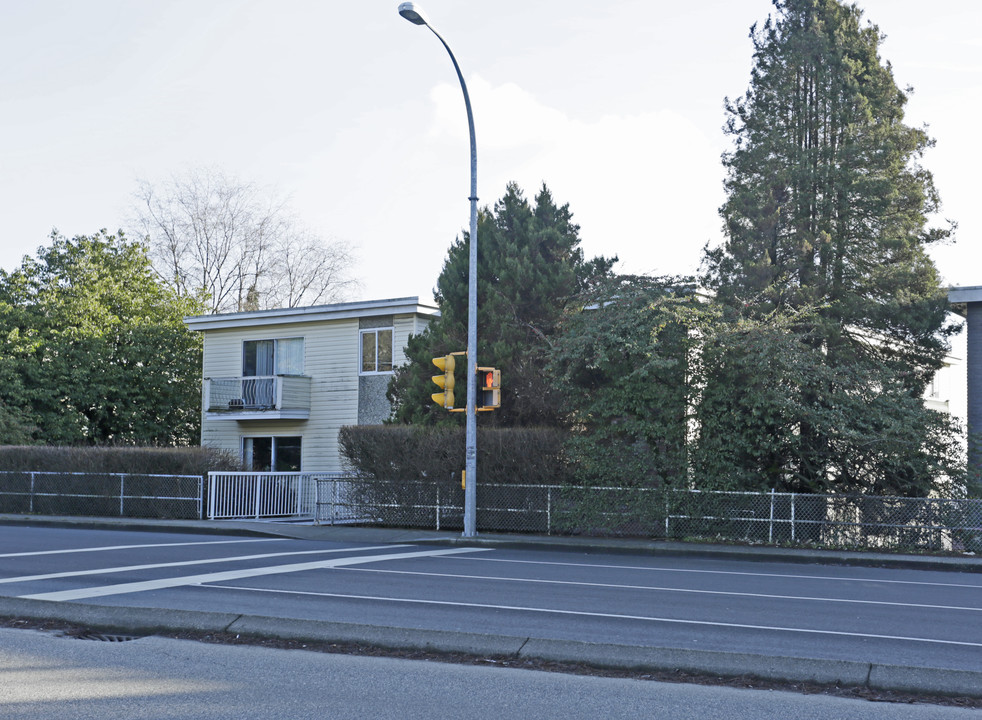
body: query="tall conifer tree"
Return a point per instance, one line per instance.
(828, 212)
(828, 204)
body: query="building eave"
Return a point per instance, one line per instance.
(960, 297)
(313, 313)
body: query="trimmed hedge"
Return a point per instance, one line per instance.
(136, 460)
(516, 456)
(415, 470)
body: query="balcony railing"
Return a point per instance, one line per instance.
(284, 396)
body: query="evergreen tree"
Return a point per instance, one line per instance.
(94, 350)
(828, 210)
(773, 414)
(530, 266)
(621, 360)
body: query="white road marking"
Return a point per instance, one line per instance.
(123, 588)
(781, 576)
(207, 561)
(656, 588)
(615, 616)
(135, 547)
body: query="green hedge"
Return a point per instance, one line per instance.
(416, 469)
(504, 455)
(136, 460)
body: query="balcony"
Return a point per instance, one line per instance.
(274, 397)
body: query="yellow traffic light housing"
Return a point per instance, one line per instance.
(446, 365)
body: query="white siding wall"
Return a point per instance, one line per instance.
(222, 358)
(404, 326)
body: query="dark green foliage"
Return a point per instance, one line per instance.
(620, 364)
(400, 453)
(16, 427)
(93, 350)
(530, 268)
(153, 461)
(413, 474)
(826, 258)
(774, 414)
(827, 204)
(666, 390)
(41, 480)
(610, 511)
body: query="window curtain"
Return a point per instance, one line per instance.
(289, 356)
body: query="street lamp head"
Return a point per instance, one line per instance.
(413, 13)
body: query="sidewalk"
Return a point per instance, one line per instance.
(376, 535)
(136, 620)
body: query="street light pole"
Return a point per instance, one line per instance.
(414, 14)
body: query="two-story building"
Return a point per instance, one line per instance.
(279, 384)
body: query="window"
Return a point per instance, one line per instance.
(266, 454)
(262, 358)
(376, 350)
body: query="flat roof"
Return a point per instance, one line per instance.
(312, 313)
(965, 294)
(959, 297)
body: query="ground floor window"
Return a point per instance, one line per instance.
(271, 454)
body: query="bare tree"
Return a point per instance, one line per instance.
(213, 236)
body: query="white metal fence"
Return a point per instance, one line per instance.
(317, 497)
(102, 494)
(257, 495)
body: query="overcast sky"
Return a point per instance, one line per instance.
(355, 116)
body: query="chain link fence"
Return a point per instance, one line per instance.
(176, 497)
(835, 521)
(832, 521)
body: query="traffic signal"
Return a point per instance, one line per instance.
(446, 365)
(488, 388)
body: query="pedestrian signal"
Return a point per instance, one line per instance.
(488, 388)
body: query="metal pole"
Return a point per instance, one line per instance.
(770, 531)
(973, 329)
(415, 15)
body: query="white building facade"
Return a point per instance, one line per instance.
(279, 384)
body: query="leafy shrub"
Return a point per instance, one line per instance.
(529, 456)
(136, 460)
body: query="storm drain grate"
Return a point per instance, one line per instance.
(101, 637)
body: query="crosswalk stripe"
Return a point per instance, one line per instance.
(123, 588)
(182, 563)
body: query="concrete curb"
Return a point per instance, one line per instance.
(702, 662)
(916, 680)
(121, 619)
(754, 553)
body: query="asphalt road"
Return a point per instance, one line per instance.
(629, 609)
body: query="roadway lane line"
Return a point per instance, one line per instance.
(610, 616)
(182, 563)
(656, 588)
(731, 572)
(123, 588)
(135, 547)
